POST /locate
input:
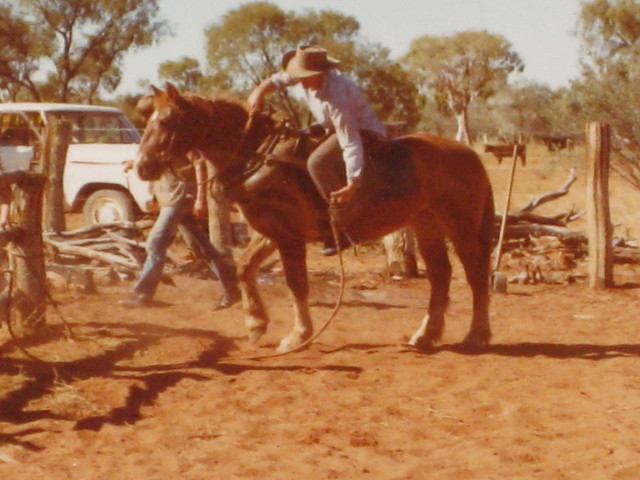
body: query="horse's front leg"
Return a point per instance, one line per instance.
(258, 250)
(434, 252)
(293, 256)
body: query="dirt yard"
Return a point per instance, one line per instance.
(164, 393)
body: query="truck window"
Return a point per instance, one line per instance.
(14, 130)
(99, 127)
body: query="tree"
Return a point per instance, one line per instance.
(18, 57)
(460, 68)
(185, 73)
(67, 50)
(609, 88)
(247, 45)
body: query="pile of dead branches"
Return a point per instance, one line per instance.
(544, 249)
(115, 247)
(107, 253)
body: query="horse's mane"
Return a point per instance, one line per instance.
(227, 118)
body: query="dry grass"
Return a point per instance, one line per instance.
(547, 171)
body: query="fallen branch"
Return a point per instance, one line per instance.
(93, 254)
(547, 197)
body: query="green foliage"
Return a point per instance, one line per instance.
(609, 89)
(455, 70)
(75, 45)
(247, 45)
(185, 74)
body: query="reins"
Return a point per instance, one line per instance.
(267, 146)
(232, 176)
(238, 174)
(332, 315)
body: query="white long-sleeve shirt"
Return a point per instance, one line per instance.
(340, 106)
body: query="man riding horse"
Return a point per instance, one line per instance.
(435, 185)
(339, 106)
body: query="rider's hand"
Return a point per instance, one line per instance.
(314, 131)
(128, 165)
(345, 194)
(200, 208)
(255, 101)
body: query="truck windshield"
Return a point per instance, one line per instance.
(99, 127)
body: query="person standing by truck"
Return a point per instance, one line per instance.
(181, 200)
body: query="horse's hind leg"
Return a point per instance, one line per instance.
(255, 253)
(433, 249)
(293, 256)
(476, 260)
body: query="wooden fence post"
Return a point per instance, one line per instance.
(597, 204)
(26, 254)
(52, 163)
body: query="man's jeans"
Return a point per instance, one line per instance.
(169, 220)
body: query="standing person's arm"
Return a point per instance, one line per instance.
(200, 205)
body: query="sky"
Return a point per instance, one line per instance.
(542, 32)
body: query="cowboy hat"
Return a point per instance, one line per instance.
(307, 60)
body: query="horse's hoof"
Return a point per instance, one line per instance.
(256, 334)
(292, 342)
(476, 342)
(423, 343)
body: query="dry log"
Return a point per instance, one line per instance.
(626, 255)
(547, 197)
(567, 235)
(126, 228)
(93, 254)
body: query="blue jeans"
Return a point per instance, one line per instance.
(169, 221)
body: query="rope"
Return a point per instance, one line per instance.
(12, 334)
(332, 315)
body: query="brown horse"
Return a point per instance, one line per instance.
(437, 186)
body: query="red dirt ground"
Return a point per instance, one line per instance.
(164, 393)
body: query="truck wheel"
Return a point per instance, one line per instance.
(107, 206)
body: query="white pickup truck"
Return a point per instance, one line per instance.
(102, 138)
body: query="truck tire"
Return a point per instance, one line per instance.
(107, 206)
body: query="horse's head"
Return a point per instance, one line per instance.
(178, 124)
(169, 134)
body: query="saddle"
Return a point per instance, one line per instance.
(388, 171)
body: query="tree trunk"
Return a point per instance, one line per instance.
(400, 249)
(52, 163)
(220, 230)
(463, 127)
(400, 246)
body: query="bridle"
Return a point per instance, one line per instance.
(232, 176)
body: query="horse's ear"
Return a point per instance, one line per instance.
(156, 91)
(173, 93)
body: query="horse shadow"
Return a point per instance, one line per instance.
(560, 351)
(148, 382)
(585, 351)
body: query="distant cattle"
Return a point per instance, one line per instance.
(506, 150)
(556, 143)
